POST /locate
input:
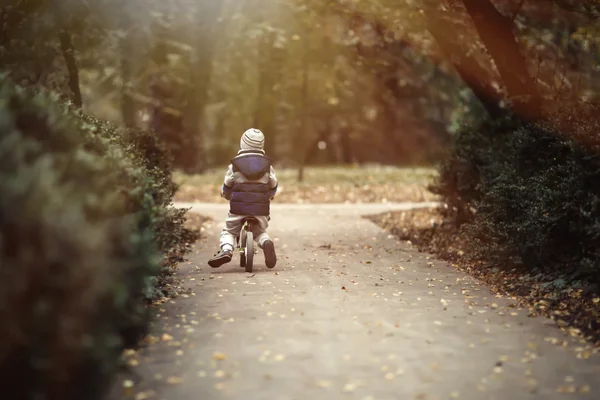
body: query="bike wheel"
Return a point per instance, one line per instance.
(243, 249)
(249, 251)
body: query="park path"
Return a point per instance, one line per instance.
(349, 313)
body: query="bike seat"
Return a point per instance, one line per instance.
(250, 219)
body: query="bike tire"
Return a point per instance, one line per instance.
(243, 247)
(249, 251)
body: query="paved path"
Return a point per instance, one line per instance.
(350, 313)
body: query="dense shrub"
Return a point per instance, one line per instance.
(153, 195)
(528, 196)
(84, 223)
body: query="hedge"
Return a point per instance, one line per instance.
(528, 195)
(86, 228)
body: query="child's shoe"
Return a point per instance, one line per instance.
(270, 256)
(222, 257)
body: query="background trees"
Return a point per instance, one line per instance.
(370, 81)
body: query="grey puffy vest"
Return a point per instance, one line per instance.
(251, 198)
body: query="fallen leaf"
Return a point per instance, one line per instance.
(349, 387)
(323, 383)
(145, 395)
(129, 353)
(174, 380)
(151, 339)
(566, 389)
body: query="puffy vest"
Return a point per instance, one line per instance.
(251, 197)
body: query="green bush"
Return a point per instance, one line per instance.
(153, 197)
(85, 228)
(527, 196)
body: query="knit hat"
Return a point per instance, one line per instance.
(252, 139)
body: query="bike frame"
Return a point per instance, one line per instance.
(246, 227)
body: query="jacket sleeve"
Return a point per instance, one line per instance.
(227, 187)
(273, 183)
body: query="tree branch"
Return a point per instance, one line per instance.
(517, 11)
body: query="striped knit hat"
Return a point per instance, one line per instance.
(252, 139)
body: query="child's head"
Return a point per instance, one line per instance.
(252, 139)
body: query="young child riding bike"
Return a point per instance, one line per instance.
(250, 185)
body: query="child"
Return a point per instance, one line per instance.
(250, 185)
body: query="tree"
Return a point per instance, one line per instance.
(440, 24)
(207, 16)
(68, 50)
(270, 70)
(128, 111)
(496, 32)
(301, 133)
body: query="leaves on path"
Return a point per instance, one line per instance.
(577, 313)
(145, 395)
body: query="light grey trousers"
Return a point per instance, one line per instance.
(233, 225)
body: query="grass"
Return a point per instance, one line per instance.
(326, 175)
(328, 184)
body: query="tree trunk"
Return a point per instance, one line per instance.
(167, 119)
(270, 70)
(496, 32)
(126, 48)
(473, 75)
(207, 15)
(346, 146)
(66, 45)
(301, 133)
